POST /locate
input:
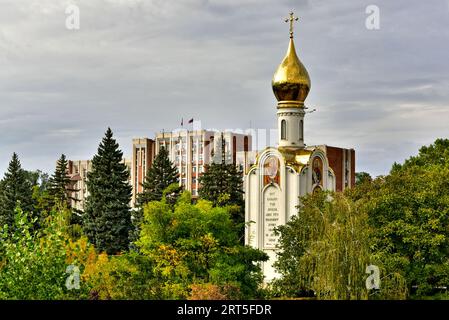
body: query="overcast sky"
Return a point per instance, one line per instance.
(139, 66)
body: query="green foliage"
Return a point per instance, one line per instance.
(59, 183)
(123, 277)
(161, 181)
(162, 174)
(32, 262)
(38, 179)
(183, 250)
(325, 249)
(222, 184)
(193, 244)
(107, 218)
(409, 211)
(15, 188)
(437, 154)
(362, 177)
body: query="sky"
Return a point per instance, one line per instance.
(140, 66)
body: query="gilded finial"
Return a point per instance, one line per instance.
(291, 19)
(291, 80)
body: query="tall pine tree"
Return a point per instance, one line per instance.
(15, 188)
(161, 176)
(222, 184)
(107, 218)
(60, 189)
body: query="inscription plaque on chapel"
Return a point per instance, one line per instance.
(271, 216)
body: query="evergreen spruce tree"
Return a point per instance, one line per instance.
(222, 184)
(60, 189)
(161, 180)
(15, 188)
(107, 218)
(159, 177)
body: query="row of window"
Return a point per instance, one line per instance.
(183, 145)
(200, 169)
(184, 158)
(184, 181)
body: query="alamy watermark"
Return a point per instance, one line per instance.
(373, 280)
(73, 280)
(372, 21)
(73, 19)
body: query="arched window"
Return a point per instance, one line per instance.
(301, 130)
(283, 130)
(245, 143)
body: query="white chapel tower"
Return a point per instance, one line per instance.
(281, 175)
(291, 84)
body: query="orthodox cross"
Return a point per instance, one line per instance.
(291, 19)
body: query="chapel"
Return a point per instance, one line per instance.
(292, 169)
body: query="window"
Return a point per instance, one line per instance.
(301, 130)
(283, 130)
(234, 149)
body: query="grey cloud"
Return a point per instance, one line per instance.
(140, 66)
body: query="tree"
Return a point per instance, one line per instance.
(60, 189)
(15, 188)
(326, 249)
(159, 177)
(38, 179)
(408, 211)
(361, 177)
(222, 184)
(193, 245)
(25, 255)
(122, 277)
(434, 154)
(107, 218)
(160, 181)
(222, 179)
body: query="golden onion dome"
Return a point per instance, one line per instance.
(291, 80)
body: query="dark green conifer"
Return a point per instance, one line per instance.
(107, 218)
(15, 189)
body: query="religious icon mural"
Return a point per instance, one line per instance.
(271, 171)
(317, 172)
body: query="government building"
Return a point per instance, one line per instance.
(293, 169)
(189, 150)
